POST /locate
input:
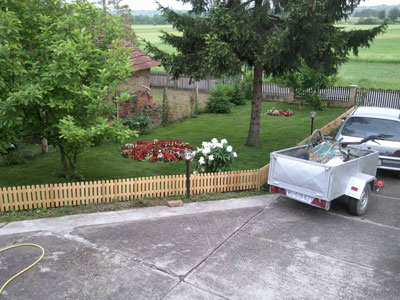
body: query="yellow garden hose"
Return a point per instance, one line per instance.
(26, 269)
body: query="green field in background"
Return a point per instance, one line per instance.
(374, 67)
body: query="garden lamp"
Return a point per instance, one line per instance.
(312, 115)
(188, 156)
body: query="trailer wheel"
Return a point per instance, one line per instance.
(359, 207)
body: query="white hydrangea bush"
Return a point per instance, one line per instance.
(213, 156)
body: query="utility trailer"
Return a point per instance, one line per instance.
(317, 184)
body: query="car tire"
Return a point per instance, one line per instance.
(359, 207)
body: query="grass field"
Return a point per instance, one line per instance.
(374, 67)
(106, 162)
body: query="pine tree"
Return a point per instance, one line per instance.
(272, 37)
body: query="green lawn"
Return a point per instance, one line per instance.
(105, 161)
(384, 49)
(370, 75)
(374, 67)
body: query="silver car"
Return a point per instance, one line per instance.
(366, 121)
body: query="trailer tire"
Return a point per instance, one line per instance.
(359, 207)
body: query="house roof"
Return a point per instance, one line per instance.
(140, 60)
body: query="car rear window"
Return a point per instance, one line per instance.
(362, 127)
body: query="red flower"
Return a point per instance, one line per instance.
(141, 150)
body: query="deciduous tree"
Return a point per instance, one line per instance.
(59, 64)
(382, 14)
(394, 13)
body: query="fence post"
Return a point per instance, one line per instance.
(352, 95)
(290, 98)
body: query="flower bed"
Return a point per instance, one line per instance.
(280, 112)
(154, 151)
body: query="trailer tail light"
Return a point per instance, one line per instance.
(319, 203)
(278, 190)
(354, 188)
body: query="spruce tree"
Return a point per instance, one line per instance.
(272, 37)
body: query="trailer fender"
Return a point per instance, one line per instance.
(357, 185)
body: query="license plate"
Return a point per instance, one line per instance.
(299, 197)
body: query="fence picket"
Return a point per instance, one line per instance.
(81, 193)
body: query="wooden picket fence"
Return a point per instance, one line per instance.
(81, 193)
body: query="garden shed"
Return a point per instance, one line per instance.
(141, 63)
(139, 83)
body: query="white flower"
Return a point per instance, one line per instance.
(206, 151)
(195, 172)
(234, 154)
(211, 157)
(214, 141)
(224, 141)
(204, 144)
(203, 169)
(201, 161)
(193, 153)
(229, 148)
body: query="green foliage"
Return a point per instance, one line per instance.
(219, 100)
(152, 20)
(394, 13)
(12, 156)
(306, 83)
(247, 85)
(382, 14)
(60, 62)
(139, 122)
(238, 97)
(368, 21)
(214, 156)
(219, 38)
(369, 12)
(227, 89)
(103, 163)
(121, 12)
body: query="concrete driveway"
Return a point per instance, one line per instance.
(261, 247)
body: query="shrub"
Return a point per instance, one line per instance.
(139, 122)
(219, 100)
(228, 90)
(238, 97)
(12, 157)
(16, 154)
(247, 85)
(214, 157)
(368, 21)
(306, 84)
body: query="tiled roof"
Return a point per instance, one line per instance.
(139, 59)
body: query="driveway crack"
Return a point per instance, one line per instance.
(107, 251)
(324, 255)
(1, 226)
(222, 243)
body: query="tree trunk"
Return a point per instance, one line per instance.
(45, 145)
(254, 130)
(71, 168)
(63, 162)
